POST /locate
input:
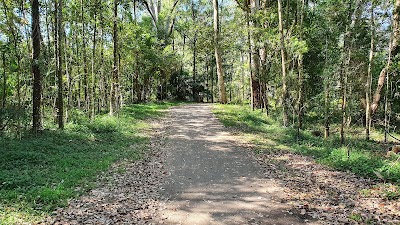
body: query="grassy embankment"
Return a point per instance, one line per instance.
(366, 157)
(40, 173)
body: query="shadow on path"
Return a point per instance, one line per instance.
(213, 180)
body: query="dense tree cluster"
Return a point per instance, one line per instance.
(331, 60)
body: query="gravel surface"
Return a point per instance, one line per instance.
(213, 180)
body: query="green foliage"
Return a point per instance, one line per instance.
(365, 158)
(40, 173)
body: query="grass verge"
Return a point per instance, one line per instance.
(40, 173)
(361, 157)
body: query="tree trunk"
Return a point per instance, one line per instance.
(68, 73)
(194, 86)
(283, 50)
(369, 78)
(326, 94)
(37, 77)
(114, 100)
(218, 60)
(4, 94)
(92, 96)
(386, 106)
(212, 84)
(327, 109)
(207, 77)
(300, 100)
(255, 57)
(242, 73)
(59, 62)
(343, 85)
(393, 51)
(346, 59)
(85, 69)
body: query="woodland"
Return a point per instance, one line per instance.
(74, 73)
(334, 60)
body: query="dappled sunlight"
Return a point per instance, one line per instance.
(232, 202)
(213, 180)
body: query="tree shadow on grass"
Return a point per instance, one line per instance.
(40, 173)
(145, 111)
(363, 159)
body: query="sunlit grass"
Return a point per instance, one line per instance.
(361, 157)
(40, 173)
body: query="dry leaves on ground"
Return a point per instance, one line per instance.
(332, 196)
(126, 194)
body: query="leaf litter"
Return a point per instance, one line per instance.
(128, 193)
(313, 190)
(327, 195)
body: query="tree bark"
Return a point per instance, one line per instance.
(37, 77)
(194, 86)
(255, 58)
(114, 100)
(300, 100)
(93, 77)
(85, 68)
(369, 77)
(283, 50)
(326, 95)
(346, 59)
(4, 94)
(218, 60)
(59, 62)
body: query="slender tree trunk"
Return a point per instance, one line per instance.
(114, 102)
(393, 51)
(283, 50)
(4, 94)
(242, 72)
(218, 60)
(68, 72)
(343, 85)
(212, 84)
(327, 109)
(59, 61)
(346, 59)
(48, 8)
(85, 68)
(194, 86)
(104, 76)
(326, 94)
(300, 100)
(252, 96)
(207, 77)
(230, 87)
(369, 77)
(255, 57)
(37, 77)
(77, 63)
(386, 107)
(93, 92)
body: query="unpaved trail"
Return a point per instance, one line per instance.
(212, 178)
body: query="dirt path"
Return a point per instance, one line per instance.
(212, 178)
(197, 172)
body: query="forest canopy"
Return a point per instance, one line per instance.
(334, 62)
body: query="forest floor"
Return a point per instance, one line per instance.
(200, 172)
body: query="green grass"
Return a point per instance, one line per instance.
(269, 136)
(40, 173)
